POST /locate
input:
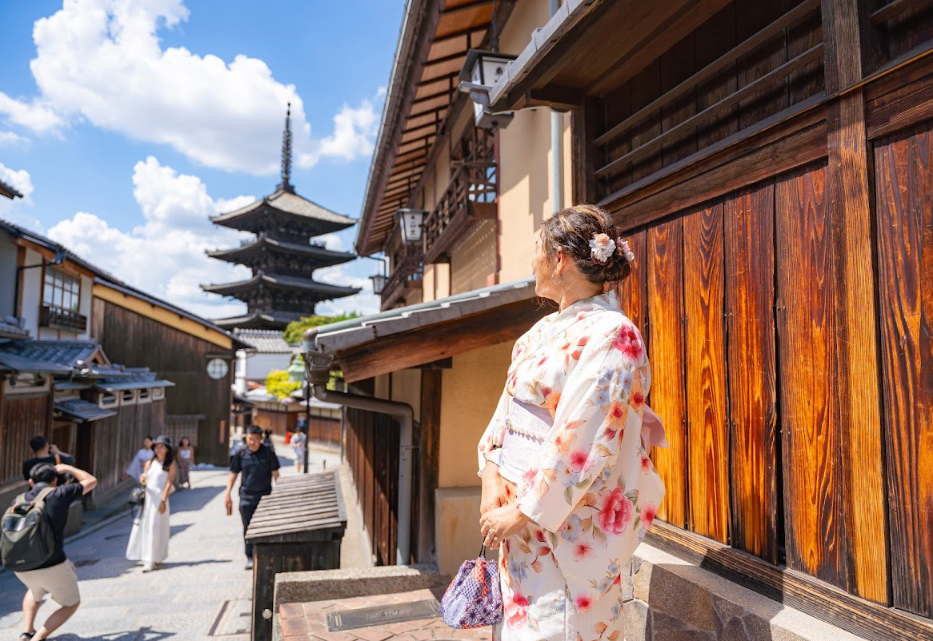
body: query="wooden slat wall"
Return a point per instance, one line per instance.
(749, 296)
(707, 432)
(23, 416)
(665, 309)
(373, 447)
(813, 483)
(633, 291)
(904, 209)
(137, 341)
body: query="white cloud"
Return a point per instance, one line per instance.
(365, 302)
(165, 255)
(102, 60)
(17, 210)
(12, 139)
(35, 115)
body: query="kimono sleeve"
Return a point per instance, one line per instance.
(589, 424)
(491, 441)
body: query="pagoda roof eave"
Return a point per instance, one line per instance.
(291, 283)
(325, 257)
(260, 320)
(287, 204)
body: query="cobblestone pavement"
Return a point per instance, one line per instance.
(201, 592)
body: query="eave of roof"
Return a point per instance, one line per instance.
(84, 411)
(8, 191)
(287, 204)
(426, 23)
(428, 332)
(282, 282)
(322, 255)
(133, 383)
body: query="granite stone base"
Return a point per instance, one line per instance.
(669, 599)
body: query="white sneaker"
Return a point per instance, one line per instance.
(249, 564)
(149, 567)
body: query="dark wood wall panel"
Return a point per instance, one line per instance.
(813, 483)
(665, 310)
(708, 434)
(633, 291)
(904, 209)
(23, 416)
(749, 299)
(137, 341)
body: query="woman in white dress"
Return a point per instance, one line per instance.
(149, 536)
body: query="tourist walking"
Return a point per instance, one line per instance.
(149, 536)
(568, 488)
(300, 443)
(259, 465)
(135, 469)
(185, 460)
(56, 577)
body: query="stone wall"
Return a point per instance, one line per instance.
(669, 599)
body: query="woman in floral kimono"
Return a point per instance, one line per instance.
(568, 488)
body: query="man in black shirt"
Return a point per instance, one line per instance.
(57, 575)
(44, 452)
(259, 465)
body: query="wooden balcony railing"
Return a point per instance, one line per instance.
(470, 197)
(407, 270)
(59, 318)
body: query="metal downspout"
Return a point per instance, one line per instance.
(557, 144)
(405, 414)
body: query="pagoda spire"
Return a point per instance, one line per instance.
(287, 153)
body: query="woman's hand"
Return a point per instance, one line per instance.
(162, 507)
(493, 490)
(501, 523)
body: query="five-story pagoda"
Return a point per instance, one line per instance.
(282, 255)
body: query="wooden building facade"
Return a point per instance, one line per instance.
(770, 163)
(136, 328)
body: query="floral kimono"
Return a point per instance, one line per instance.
(588, 485)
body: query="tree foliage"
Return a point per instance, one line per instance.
(279, 384)
(296, 329)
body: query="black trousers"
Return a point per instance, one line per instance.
(247, 509)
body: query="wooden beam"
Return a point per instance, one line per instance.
(436, 342)
(856, 330)
(583, 122)
(714, 111)
(893, 9)
(714, 68)
(554, 96)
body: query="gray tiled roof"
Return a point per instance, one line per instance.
(264, 341)
(56, 357)
(84, 411)
(290, 204)
(261, 319)
(10, 329)
(141, 380)
(290, 282)
(356, 331)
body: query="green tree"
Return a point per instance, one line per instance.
(279, 384)
(296, 329)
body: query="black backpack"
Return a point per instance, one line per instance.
(26, 537)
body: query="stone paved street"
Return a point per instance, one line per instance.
(201, 592)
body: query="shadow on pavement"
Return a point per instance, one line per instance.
(143, 634)
(195, 499)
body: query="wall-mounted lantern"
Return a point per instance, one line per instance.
(481, 70)
(379, 283)
(410, 221)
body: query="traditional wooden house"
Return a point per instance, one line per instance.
(769, 163)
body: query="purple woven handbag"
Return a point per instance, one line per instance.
(474, 598)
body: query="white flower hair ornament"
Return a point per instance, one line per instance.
(626, 250)
(602, 248)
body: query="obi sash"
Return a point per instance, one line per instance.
(527, 427)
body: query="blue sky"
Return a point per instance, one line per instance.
(127, 123)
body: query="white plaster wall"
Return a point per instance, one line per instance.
(258, 366)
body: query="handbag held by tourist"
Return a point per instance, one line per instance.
(474, 598)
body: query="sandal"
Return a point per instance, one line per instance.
(27, 636)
